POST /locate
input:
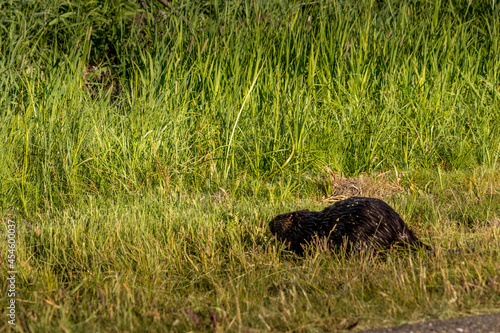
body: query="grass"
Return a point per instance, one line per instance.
(202, 262)
(144, 153)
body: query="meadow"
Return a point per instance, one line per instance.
(144, 148)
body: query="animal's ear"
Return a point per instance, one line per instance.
(293, 215)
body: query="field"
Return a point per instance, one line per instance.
(144, 149)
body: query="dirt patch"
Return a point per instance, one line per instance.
(474, 324)
(376, 186)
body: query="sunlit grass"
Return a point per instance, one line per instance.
(143, 155)
(261, 88)
(198, 261)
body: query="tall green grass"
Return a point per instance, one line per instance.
(104, 96)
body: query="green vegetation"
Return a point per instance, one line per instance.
(144, 149)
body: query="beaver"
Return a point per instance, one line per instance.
(356, 224)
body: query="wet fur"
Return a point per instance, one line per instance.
(355, 224)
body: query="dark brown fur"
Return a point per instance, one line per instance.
(357, 223)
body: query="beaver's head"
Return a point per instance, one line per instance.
(293, 228)
(281, 223)
(284, 224)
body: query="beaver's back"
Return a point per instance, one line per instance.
(365, 222)
(358, 223)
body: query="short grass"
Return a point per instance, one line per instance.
(144, 149)
(187, 260)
